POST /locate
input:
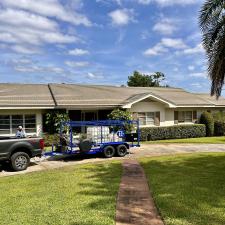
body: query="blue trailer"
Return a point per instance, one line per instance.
(109, 137)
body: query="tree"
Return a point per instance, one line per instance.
(53, 118)
(144, 80)
(121, 114)
(157, 78)
(212, 23)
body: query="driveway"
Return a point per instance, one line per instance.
(45, 163)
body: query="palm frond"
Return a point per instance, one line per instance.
(210, 11)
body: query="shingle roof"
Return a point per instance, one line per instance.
(70, 94)
(212, 99)
(75, 95)
(25, 95)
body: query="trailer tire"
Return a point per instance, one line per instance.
(20, 161)
(109, 151)
(121, 150)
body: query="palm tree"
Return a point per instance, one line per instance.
(212, 23)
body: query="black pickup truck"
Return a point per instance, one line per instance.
(18, 151)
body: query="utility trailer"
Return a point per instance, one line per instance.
(108, 137)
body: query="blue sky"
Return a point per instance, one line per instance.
(101, 41)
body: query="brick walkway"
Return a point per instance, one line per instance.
(135, 205)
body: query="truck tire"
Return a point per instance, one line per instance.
(109, 151)
(20, 161)
(121, 150)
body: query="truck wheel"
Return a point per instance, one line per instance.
(20, 161)
(109, 151)
(121, 150)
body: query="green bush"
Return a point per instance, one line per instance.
(173, 132)
(219, 128)
(121, 114)
(53, 119)
(207, 119)
(219, 116)
(50, 139)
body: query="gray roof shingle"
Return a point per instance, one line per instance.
(25, 95)
(71, 94)
(75, 95)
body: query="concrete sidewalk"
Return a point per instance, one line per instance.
(145, 150)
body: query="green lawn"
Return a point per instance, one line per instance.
(203, 140)
(188, 189)
(78, 195)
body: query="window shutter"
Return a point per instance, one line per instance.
(175, 117)
(194, 116)
(157, 118)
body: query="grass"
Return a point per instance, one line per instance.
(78, 195)
(188, 189)
(202, 140)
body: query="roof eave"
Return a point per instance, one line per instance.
(169, 104)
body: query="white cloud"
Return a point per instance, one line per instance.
(197, 85)
(25, 49)
(77, 63)
(199, 75)
(164, 45)
(198, 49)
(165, 26)
(94, 76)
(121, 17)
(156, 50)
(78, 52)
(25, 32)
(175, 43)
(144, 2)
(191, 68)
(27, 65)
(164, 3)
(49, 8)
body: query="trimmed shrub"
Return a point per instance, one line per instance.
(50, 139)
(207, 119)
(219, 116)
(219, 128)
(173, 132)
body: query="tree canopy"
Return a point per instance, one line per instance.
(144, 80)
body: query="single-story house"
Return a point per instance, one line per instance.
(25, 104)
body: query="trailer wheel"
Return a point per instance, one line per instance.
(109, 151)
(20, 161)
(121, 150)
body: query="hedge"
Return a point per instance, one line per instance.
(219, 128)
(173, 132)
(207, 119)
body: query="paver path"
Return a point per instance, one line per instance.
(135, 205)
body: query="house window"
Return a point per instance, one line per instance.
(184, 116)
(10, 123)
(148, 118)
(17, 120)
(4, 124)
(30, 123)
